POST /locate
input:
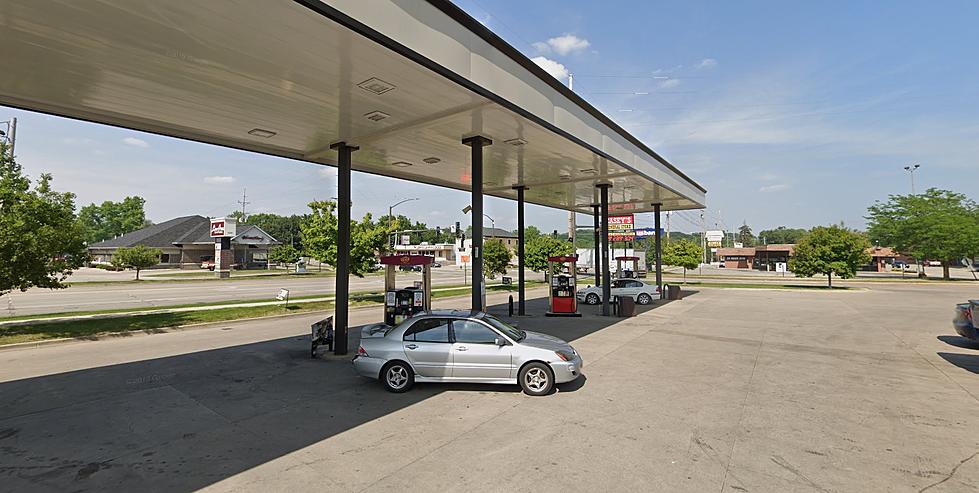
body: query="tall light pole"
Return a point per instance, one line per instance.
(911, 169)
(10, 134)
(492, 221)
(391, 215)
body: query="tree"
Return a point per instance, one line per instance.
(830, 250)
(319, 236)
(938, 225)
(782, 235)
(284, 254)
(138, 257)
(282, 228)
(41, 242)
(111, 219)
(496, 257)
(683, 253)
(745, 236)
(541, 247)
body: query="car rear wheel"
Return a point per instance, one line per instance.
(536, 379)
(592, 299)
(644, 299)
(397, 377)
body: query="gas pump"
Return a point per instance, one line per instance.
(402, 303)
(561, 292)
(627, 273)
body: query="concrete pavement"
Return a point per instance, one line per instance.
(725, 390)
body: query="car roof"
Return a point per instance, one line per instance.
(451, 313)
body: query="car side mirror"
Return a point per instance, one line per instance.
(500, 341)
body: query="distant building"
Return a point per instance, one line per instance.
(509, 239)
(764, 257)
(185, 242)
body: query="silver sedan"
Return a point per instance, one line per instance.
(641, 291)
(464, 346)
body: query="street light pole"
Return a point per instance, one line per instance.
(911, 169)
(391, 216)
(492, 222)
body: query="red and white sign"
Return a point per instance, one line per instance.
(621, 228)
(223, 227)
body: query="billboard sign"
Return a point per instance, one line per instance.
(643, 233)
(621, 228)
(223, 227)
(715, 235)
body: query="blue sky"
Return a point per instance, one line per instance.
(791, 114)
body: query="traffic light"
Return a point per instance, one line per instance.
(438, 233)
(458, 230)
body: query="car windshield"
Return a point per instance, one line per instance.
(510, 331)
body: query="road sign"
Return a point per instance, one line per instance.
(283, 294)
(507, 281)
(781, 267)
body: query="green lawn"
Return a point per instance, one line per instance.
(159, 321)
(748, 285)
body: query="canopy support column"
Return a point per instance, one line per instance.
(659, 251)
(606, 277)
(477, 143)
(343, 247)
(597, 258)
(521, 308)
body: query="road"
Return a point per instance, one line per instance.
(103, 296)
(725, 390)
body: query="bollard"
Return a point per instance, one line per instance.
(511, 305)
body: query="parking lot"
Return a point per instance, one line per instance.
(725, 390)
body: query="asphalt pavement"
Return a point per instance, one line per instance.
(149, 294)
(727, 390)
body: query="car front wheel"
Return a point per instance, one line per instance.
(644, 299)
(592, 299)
(397, 377)
(536, 379)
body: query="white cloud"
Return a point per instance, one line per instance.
(563, 45)
(133, 141)
(707, 63)
(778, 187)
(77, 141)
(557, 70)
(219, 180)
(668, 83)
(328, 172)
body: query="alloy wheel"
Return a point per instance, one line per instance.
(536, 379)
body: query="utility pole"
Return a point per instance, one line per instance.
(10, 135)
(243, 203)
(703, 240)
(668, 226)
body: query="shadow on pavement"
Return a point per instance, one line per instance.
(959, 341)
(969, 362)
(183, 422)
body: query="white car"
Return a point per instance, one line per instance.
(642, 292)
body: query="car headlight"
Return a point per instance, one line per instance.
(565, 355)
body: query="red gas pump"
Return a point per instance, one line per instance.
(561, 299)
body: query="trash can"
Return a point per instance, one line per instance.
(672, 292)
(627, 306)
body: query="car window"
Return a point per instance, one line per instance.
(635, 284)
(428, 330)
(471, 332)
(617, 284)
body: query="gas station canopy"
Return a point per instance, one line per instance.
(405, 81)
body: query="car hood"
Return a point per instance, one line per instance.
(544, 341)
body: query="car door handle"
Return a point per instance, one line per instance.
(462, 348)
(411, 346)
